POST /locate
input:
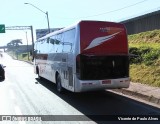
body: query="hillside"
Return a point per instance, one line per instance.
(145, 68)
(145, 37)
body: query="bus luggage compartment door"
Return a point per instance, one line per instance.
(67, 71)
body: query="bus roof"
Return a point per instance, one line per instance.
(71, 27)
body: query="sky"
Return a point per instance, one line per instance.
(63, 13)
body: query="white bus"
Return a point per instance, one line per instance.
(90, 55)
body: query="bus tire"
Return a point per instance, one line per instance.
(59, 84)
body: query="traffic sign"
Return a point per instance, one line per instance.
(2, 28)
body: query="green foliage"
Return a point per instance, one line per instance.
(145, 37)
(146, 55)
(151, 57)
(21, 56)
(145, 65)
(135, 55)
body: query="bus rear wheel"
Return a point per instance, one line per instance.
(59, 84)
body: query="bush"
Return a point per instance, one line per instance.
(151, 57)
(135, 55)
(147, 55)
(134, 50)
(144, 50)
(146, 67)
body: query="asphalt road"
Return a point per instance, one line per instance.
(21, 93)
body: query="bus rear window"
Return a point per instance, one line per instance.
(99, 68)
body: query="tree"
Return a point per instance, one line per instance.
(14, 43)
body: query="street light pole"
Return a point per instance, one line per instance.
(48, 22)
(27, 45)
(42, 12)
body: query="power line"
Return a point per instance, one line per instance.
(112, 10)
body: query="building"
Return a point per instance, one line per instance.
(147, 22)
(42, 32)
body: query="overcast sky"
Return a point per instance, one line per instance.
(66, 12)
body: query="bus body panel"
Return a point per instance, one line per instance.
(103, 38)
(91, 85)
(90, 55)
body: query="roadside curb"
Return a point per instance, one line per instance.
(148, 98)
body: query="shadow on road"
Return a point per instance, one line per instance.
(102, 103)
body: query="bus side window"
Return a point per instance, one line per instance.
(59, 47)
(68, 41)
(38, 46)
(48, 39)
(52, 41)
(51, 44)
(58, 43)
(67, 47)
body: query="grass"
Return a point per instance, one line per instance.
(20, 56)
(145, 37)
(147, 46)
(24, 57)
(151, 45)
(145, 74)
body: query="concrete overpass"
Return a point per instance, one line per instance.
(3, 47)
(19, 48)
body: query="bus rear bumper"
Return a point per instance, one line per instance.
(85, 85)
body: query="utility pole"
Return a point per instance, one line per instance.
(42, 12)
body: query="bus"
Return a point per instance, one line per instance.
(89, 55)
